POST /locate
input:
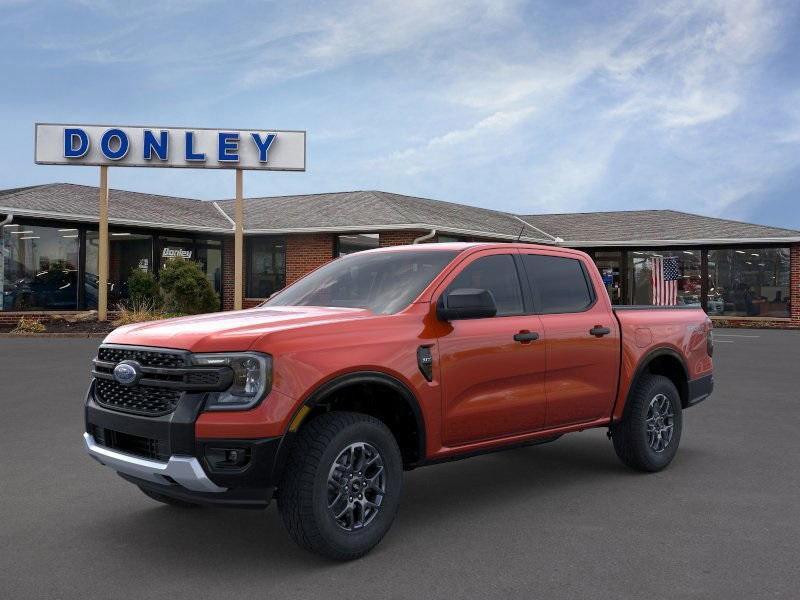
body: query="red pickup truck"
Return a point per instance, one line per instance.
(386, 360)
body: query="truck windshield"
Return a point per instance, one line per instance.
(383, 282)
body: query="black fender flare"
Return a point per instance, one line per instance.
(317, 396)
(644, 363)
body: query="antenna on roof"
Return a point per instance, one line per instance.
(520, 232)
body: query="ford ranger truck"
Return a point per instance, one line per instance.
(384, 361)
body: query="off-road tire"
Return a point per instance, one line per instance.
(167, 500)
(630, 436)
(303, 490)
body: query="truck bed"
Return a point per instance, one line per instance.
(645, 331)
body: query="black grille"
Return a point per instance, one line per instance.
(139, 399)
(203, 377)
(132, 444)
(146, 358)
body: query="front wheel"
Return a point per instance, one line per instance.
(341, 485)
(647, 438)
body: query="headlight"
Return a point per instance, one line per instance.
(252, 379)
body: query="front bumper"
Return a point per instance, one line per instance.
(163, 454)
(185, 471)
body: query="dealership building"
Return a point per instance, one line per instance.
(741, 274)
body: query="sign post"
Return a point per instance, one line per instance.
(175, 147)
(103, 253)
(238, 243)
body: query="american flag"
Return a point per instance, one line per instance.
(664, 275)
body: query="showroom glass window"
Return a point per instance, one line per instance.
(347, 244)
(747, 282)
(445, 239)
(176, 247)
(209, 255)
(266, 266)
(128, 251)
(609, 263)
(641, 284)
(39, 267)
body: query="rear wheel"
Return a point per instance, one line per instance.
(648, 436)
(341, 485)
(167, 500)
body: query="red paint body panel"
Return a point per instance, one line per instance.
(582, 369)
(683, 332)
(487, 390)
(493, 386)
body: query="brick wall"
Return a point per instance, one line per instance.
(400, 238)
(13, 317)
(305, 252)
(228, 266)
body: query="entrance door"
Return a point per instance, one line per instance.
(493, 385)
(209, 255)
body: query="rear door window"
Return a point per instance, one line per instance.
(560, 284)
(498, 274)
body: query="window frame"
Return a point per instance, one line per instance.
(337, 242)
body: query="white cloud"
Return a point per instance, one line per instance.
(334, 35)
(667, 69)
(537, 106)
(566, 178)
(476, 143)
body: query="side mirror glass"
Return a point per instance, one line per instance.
(466, 303)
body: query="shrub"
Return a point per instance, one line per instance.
(138, 312)
(186, 289)
(26, 325)
(143, 290)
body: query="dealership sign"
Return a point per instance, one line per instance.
(193, 148)
(176, 253)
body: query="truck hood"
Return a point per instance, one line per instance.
(228, 331)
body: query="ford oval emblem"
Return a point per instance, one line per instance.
(127, 373)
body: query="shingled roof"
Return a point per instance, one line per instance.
(72, 202)
(636, 227)
(374, 211)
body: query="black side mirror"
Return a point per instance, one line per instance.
(466, 303)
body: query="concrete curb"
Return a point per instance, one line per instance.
(99, 336)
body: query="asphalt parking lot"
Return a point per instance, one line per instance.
(563, 520)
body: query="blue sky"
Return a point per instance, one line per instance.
(520, 106)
